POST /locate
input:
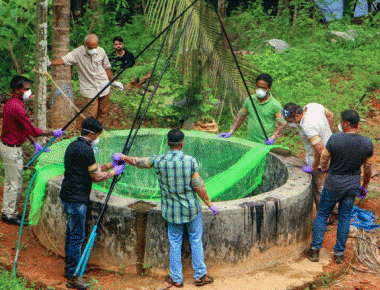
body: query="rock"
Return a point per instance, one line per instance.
(353, 231)
(279, 44)
(349, 35)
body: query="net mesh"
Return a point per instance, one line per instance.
(231, 168)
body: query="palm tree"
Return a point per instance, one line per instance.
(204, 57)
(61, 112)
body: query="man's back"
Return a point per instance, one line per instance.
(348, 153)
(314, 123)
(178, 199)
(76, 185)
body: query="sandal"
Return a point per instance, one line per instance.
(169, 280)
(202, 281)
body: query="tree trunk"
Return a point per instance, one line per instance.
(41, 57)
(222, 13)
(61, 111)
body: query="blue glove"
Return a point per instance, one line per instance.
(362, 192)
(225, 135)
(38, 148)
(214, 209)
(118, 169)
(117, 156)
(307, 169)
(58, 133)
(269, 141)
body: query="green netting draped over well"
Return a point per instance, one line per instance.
(231, 168)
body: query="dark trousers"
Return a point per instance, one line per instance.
(75, 233)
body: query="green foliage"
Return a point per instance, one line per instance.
(17, 21)
(7, 281)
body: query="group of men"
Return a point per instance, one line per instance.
(178, 174)
(95, 70)
(334, 160)
(335, 157)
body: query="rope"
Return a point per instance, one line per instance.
(87, 251)
(45, 73)
(241, 74)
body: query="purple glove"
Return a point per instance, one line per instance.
(214, 209)
(58, 133)
(38, 148)
(362, 192)
(307, 169)
(119, 169)
(117, 156)
(225, 135)
(269, 141)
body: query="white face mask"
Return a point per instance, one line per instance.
(27, 95)
(293, 125)
(340, 128)
(261, 93)
(92, 51)
(95, 142)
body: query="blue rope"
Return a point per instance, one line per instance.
(22, 223)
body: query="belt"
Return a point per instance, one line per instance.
(10, 145)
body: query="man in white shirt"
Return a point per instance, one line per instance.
(94, 70)
(316, 124)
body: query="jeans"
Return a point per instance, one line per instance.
(175, 233)
(329, 198)
(75, 233)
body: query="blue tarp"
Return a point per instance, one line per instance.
(363, 219)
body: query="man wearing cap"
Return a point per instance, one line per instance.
(269, 111)
(80, 171)
(316, 124)
(348, 151)
(17, 127)
(180, 182)
(94, 70)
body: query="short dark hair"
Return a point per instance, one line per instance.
(175, 137)
(118, 38)
(90, 124)
(18, 82)
(350, 116)
(290, 110)
(266, 78)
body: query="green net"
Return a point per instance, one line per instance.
(231, 168)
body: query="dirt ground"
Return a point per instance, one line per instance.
(46, 269)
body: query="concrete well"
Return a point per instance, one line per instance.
(248, 234)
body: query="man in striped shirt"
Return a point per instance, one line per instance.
(180, 184)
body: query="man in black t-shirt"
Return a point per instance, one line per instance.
(80, 171)
(120, 58)
(347, 152)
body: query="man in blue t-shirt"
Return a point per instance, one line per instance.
(347, 152)
(80, 171)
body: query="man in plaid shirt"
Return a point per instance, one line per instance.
(180, 184)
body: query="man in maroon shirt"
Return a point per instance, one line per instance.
(17, 127)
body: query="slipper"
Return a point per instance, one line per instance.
(169, 280)
(203, 281)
